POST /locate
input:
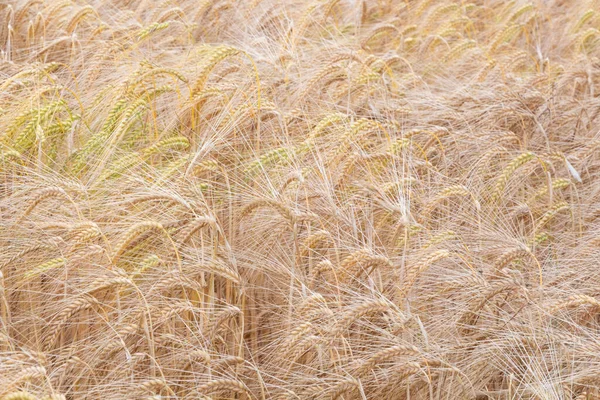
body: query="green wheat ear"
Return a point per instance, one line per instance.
(505, 35)
(149, 76)
(551, 213)
(151, 29)
(586, 36)
(557, 184)
(541, 238)
(119, 120)
(27, 122)
(208, 165)
(214, 57)
(358, 128)
(508, 171)
(460, 49)
(399, 145)
(268, 159)
(122, 164)
(45, 267)
(129, 160)
(522, 10)
(152, 261)
(165, 144)
(588, 15)
(173, 167)
(8, 155)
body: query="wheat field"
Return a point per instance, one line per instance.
(331, 199)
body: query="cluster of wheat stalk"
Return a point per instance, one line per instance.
(331, 199)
